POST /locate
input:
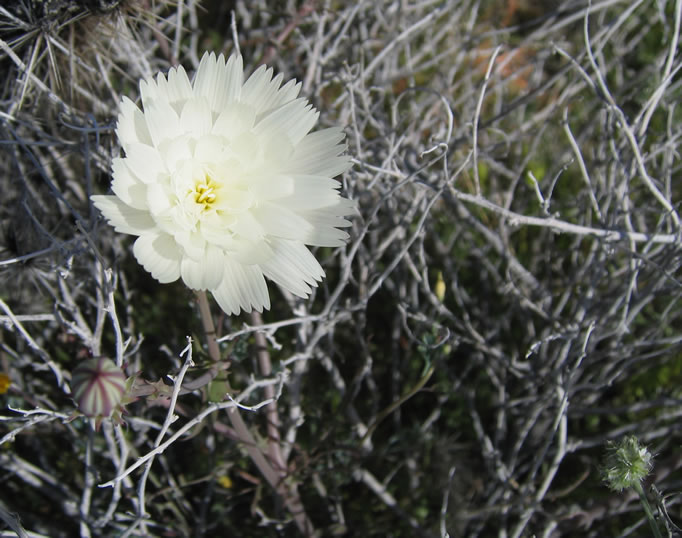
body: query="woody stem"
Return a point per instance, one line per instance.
(287, 491)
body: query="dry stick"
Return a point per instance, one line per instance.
(161, 39)
(12, 521)
(289, 493)
(629, 134)
(305, 10)
(272, 417)
(477, 115)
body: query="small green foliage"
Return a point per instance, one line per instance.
(538, 169)
(483, 173)
(218, 388)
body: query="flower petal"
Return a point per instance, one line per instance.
(162, 121)
(239, 249)
(126, 186)
(278, 221)
(196, 117)
(286, 93)
(149, 92)
(219, 82)
(235, 119)
(210, 149)
(269, 187)
(249, 252)
(131, 125)
(242, 287)
(175, 151)
(122, 217)
(214, 266)
(310, 192)
(205, 273)
(331, 213)
(294, 119)
(327, 237)
(192, 243)
(179, 87)
(293, 267)
(234, 79)
(158, 199)
(248, 150)
(319, 154)
(325, 222)
(262, 92)
(159, 254)
(145, 162)
(248, 227)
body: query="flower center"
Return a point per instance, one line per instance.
(205, 192)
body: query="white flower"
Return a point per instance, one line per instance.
(224, 184)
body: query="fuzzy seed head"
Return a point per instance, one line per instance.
(627, 464)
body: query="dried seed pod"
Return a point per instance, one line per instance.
(98, 386)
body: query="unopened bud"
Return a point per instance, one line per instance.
(98, 386)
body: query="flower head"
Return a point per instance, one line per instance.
(627, 464)
(224, 183)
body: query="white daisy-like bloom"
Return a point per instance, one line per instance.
(224, 183)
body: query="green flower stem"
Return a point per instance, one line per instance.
(286, 489)
(647, 510)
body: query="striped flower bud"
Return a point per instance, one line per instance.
(98, 386)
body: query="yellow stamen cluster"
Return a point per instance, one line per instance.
(205, 192)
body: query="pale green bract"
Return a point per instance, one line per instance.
(224, 183)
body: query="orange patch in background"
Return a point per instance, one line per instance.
(514, 66)
(5, 383)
